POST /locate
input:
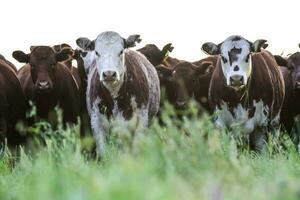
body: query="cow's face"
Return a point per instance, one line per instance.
(293, 63)
(235, 53)
(185, 78)
(43, 63)
(109, 55)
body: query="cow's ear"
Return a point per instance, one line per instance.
(86, 44)
(281, 61)
(132, 40)
(163, 72)
(205, 68)
(167, 49)
(258, 45)
(64, 54)
(21, 56)
(210, 48)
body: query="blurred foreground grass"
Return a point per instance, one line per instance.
(187, 159)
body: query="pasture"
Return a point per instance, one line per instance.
(181, 159)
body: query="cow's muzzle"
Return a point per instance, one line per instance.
(236, 81)
(109, 76)
(43, 85)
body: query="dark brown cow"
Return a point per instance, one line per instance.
(12, 66)
(192, 81)
(157, 56)
(246, 87)
(12, 105)
(123, 84)
(291, 107)
(48, 83)
(68, 62)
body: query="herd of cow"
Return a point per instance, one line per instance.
(239, 80)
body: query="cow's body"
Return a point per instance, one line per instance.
(123, 84)
(12, 105)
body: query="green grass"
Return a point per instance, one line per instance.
(188, 159)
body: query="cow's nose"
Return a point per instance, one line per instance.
(109, 75)
(43, 85)
(236, 80)
(180, 104)
(297, 85)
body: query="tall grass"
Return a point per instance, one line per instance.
(182, 159)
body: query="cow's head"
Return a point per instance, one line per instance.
(109, 55)
(154, 54)
(86, 59)
(235, 53)
(60, 47)
(186, 80)
(43, 63)
(293, 64)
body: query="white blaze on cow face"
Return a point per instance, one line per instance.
(236, 63)
(109, 58)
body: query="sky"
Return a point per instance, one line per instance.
(185, 23)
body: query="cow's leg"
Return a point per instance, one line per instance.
(3, 134)
(258, 138)
(98, 123)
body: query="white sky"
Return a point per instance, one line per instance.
(187, 24)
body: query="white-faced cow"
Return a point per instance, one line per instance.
(247, 86)
(122, 84)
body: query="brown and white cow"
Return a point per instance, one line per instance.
(122, 84)
(246, 87)
(48, 83)
(12, 105)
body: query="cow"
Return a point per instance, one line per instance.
(157, 56)
(47, 83)
(191, 80)
(246, 87)
(68, 62)
(12, 105)
(12, 66)
(123, 84)
(290, 68)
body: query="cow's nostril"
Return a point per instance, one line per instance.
(43, 84)
(236, 68)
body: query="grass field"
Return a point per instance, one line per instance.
(187, 159)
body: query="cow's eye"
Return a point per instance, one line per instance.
(224, 59)
(97, 53)
(121, 52)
